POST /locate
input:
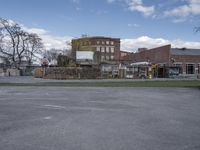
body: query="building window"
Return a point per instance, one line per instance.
(80, 43)
(112, 43)
(103, 49)
(111, 57)
(107, 42)
(98, 42)
(189, 68)
(107, 49)
(123, 54)
(107, 57)
(98, 49)
(112, 49)
(85, 43)
(180, 68)
(103, 42)
(102, 57)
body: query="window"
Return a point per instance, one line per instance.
(103, 42)
(98, 42)
(189, 68)
(112, 43)
(123, 54)
(111, 57)
(107, 49)
(107, 57)
(179, 67)
(98, 49)
(102, 57)
(103, 49)
(85, 43)
(112, 49)
(107, 42)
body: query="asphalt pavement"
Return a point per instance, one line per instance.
(59, 118)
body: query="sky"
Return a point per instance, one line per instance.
(139, 23)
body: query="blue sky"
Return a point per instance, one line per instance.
(141, 21)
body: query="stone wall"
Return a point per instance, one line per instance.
(2, 72)
(12, 72)
(63, 73)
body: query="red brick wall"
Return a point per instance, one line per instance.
(155, 55)
(186, 59)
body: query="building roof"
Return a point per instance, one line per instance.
(96, 37)
(185, 51)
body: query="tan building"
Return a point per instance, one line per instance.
(104, 48)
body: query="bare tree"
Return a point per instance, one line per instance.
(21, 48)
(53, 54)
(9, 39)
(68, 51)
(16, 44)
(34, 47)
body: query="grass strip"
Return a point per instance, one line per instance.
(171, 83)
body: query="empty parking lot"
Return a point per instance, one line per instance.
(64, 118)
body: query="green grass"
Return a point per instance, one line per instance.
(170, 83)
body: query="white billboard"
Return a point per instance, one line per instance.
(83, 55)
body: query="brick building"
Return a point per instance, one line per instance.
(188, 60)
(104, 48)
(159, 55)
(125, 54)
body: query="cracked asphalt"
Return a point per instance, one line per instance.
(60, 118)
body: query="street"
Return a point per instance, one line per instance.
(66, 118)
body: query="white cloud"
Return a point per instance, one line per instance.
(137, 5)
(50, 41)
(191, 8)
(55, 41)
(36, 30)
(187, 44)
(144, 41)
(60, 42)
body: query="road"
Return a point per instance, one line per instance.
(59, 118)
